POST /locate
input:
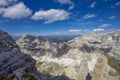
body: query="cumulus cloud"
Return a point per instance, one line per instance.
(98, 30)
(16, 11)
(71, 3)
(3, 2)
(112, 17)
(51, 15)
(74, 30)
(88, 16)
(7, 2)
(101, 27)
(92, 5)
(105, 25)
(2, 10)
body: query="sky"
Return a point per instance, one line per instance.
(59, 17)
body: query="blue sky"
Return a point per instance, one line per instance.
(48, 17)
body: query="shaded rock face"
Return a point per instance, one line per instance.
(88, 77)
(12, 61)
(6, 42)
(86, 48)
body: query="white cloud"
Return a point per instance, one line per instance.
(105, 25)
(101, 20)
(117, 4)
(71, 3)
(64, 1)
(86, 23)
(101, 27)
(98, 30)
(112, 17)
(3, 2)
(2, 10)
(71, 7)
(88, 16)
(16, 11)
(93, 5)
(51, 15)
(7, 2)
(74, 30)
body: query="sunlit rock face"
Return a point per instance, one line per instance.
(77, 69)
(77, 59)
(37, 46)
(111, 44)
(12, 61)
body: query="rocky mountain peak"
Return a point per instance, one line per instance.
(7, 43)
(12, 61)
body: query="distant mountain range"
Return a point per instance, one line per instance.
(56, 38)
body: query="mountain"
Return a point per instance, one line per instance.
(82, 58)
(36, 46)
(61, 38)
(14, 63)
(108, 43)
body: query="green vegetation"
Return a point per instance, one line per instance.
(39, 64)
(10, 78)
(26, 76)
(114, 64)
(113, 74)
(51, 68)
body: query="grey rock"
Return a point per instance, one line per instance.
(12, 59)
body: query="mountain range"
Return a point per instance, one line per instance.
(93, 56)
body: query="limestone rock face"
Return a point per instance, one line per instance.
(111, 44)
(74, 59)
(37, 46)
(108, 43)
(12, 61)
(100, 68)
(79, 59)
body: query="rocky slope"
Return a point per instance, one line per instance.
(108, 43)
(80, 58)
(13, 63)
(36, 46)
